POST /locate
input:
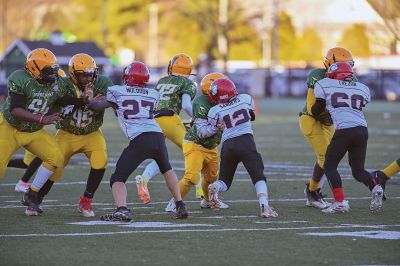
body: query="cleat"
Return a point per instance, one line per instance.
(315, 198)
(268, 212)
(171, 206)
(376, 199)
(32, 202)
(85, 207)
(122, 214)
(31, 212)
(143, 192)
(181, 212)
(338, 206)
(199, 192)
(213, 195)
(205, 204)
(381, 179)
(22, 186)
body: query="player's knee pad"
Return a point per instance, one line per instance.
(192, 177)
(116, 178)
(54, 161)
(98, 160)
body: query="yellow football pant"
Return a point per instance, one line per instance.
(92, 145)
(28, 157)
(40, 143)
(318, 135)
(172, 128)
(198, 159)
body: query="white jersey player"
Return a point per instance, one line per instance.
(344, 99)
(135, 109)
(134, 104)
(233, 113)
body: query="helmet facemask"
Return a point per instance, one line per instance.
(49, 74)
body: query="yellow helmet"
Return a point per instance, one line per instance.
(180, 65)
(338, 54)
(82, 65)
(42, 65)
(208, 79)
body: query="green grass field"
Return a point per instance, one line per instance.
(236, 236)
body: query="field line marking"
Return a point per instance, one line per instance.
(199, 230)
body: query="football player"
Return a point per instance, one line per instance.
(385, 174)
(318, 129)
(29, 162)
(79, 131)
(176, 93)
(344, 98)
(233, 114)
(201, 154)
(32, 93)
(135, 105)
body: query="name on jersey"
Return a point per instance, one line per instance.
(229, 103)
(43, 94)
(137, 90)
(347, 83)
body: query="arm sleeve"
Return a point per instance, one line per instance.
(204, 129)
(310, 99)
(318, 107)
(17, 101)
(100, 105)
(187, 104)
(70, 100)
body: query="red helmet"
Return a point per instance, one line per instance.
(222, 91)
(136, 74)
(340, 71)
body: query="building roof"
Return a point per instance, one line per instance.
(63, 51)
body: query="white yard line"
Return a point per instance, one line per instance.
(200, 230)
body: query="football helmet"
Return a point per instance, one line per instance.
(136, 74)
(42, 65)
(222, 91)
(338, 54)
(180, 65)
(340, 71)
(82, 69)
(205, 83)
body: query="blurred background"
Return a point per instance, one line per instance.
(266, 46)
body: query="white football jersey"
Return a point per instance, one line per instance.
(135, 109)
(344, 101)
(234, 115)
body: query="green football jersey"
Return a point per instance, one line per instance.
(82, 120)
(39, 98)
(201, 106)
(312, 78)
(171, 89)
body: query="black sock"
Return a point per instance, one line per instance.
(17, 163)
(93, 182)
(45, 189)
(178, 203)
(31, 169)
